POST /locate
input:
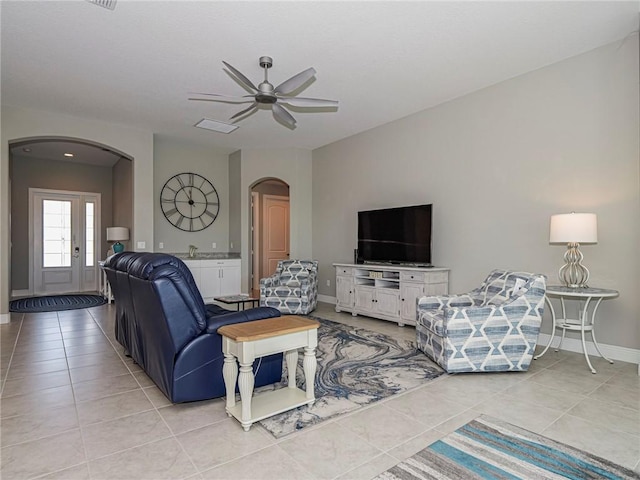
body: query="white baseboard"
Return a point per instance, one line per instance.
(614, 352)
(327, 299)
(20, 293)
(5, 318)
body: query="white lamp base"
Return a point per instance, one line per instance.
(573, 274)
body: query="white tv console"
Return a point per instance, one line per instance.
(388, 292)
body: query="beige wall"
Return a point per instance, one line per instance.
(292, 166)
(122, 188)
(235, 168)
(18, 123)
(496, 164)
(172, 156)
(52, 175)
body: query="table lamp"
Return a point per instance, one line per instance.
(117, 234)
(573, 229)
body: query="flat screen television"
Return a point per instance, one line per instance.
(395, 235)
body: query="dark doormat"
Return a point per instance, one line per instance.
(55, 303)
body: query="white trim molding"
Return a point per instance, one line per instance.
(5, 318)
(327, 299)
(20, 293)
(623, 354)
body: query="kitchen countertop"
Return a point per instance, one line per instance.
(208, 256)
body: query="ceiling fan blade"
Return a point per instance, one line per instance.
(308, 102)
(244, 80)
(296, 81)
(253, 106)
(282, 115)
(222, 98)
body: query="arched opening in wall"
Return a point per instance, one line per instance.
(270, 231)
(64, 194)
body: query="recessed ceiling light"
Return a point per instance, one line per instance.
(68, 154)
(216, 126)
(26, 149)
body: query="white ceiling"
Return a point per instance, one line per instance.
(136, 65)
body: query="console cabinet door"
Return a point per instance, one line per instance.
(387, 302)
(364, 299)
(344, 291)
(409, 293)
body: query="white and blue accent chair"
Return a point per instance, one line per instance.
(493, 328)
(293, 288)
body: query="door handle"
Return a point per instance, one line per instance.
(76, 252)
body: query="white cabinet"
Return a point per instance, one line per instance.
(215, 278)
(344, 288)
(387, 292)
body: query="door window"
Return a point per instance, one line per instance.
(89, 247)
(56, 231)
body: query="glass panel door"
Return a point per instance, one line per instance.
(56, 231)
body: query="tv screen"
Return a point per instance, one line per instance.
(395, 235)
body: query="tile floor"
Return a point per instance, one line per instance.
(73, 407)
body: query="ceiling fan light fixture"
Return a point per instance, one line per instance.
(216, 126)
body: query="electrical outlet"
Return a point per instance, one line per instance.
(213, 245)
(328, 283)
(161, 245)
(142, 245)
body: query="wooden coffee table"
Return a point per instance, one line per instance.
(249, 340)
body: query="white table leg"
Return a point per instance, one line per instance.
(292, 365)
(585, 312)
(553, 328)
(230, 375)
(309, 365)
(245, 385)
(593, 330)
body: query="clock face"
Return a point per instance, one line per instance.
(190, 202)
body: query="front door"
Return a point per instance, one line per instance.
(65, 246)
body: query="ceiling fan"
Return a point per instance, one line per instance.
(266, 94)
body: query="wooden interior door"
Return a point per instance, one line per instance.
(275, 232)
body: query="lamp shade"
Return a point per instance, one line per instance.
(573, 228)
(117, 234)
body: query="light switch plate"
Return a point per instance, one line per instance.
(142, 244)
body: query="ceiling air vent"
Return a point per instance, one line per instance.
(110, 4)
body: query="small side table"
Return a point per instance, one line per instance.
(585, 322)
(104, 288)
(238, 300)
(248, 340)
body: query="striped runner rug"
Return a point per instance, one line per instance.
(486, 448)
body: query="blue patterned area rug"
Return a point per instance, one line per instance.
(55, 303)
(356, 367)
(486, 448)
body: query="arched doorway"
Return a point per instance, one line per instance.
(270, 231)
(92, 186)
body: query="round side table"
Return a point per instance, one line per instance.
(585, 322)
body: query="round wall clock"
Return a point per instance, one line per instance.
(190, 202)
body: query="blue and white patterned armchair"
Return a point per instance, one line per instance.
(492, 328)
(293, 288)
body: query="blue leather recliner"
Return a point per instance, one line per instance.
(172, 332)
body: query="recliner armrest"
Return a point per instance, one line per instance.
(259, 313)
